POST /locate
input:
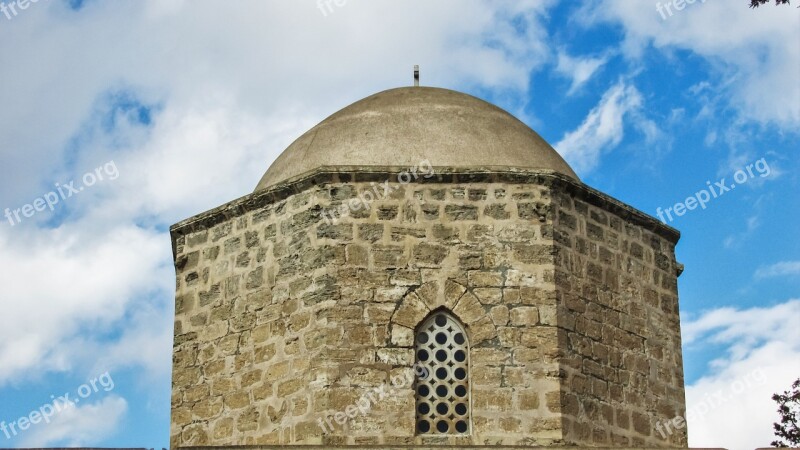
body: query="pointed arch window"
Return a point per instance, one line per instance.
(442, 399)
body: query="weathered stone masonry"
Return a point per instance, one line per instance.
(568, 296)
(618, 319)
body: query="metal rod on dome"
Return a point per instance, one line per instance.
(416, 75)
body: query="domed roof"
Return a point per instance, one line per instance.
(404, 126)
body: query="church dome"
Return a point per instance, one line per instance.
(404, 126)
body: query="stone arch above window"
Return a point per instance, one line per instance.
(443, 397)
(417, 305)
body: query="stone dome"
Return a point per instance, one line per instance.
(404, 126)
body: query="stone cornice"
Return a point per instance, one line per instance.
(443, 175)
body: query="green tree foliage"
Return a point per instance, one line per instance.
(787, 429)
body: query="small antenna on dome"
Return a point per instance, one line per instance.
(416, 74)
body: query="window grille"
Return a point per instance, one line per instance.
(442, 399)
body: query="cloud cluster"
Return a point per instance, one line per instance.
(779, 269)
(63, 281)
(753, 54)
(80, 425)
(602, 129)
(578, 69)
(762, 341)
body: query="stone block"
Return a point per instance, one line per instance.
(461, 212)
(410, 312)
(524, 316)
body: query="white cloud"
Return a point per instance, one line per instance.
(779, 269)
(601, 130)
(79, 426)
(62, 283)
(579, 70)
(760, 356)
(246, 61)
(752, 66)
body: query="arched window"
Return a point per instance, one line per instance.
(443, 397)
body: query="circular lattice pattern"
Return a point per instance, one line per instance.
(443, 397)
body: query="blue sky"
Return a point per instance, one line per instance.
(181, 106)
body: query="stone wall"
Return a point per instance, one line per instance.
(283, 319)
(618, 313)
